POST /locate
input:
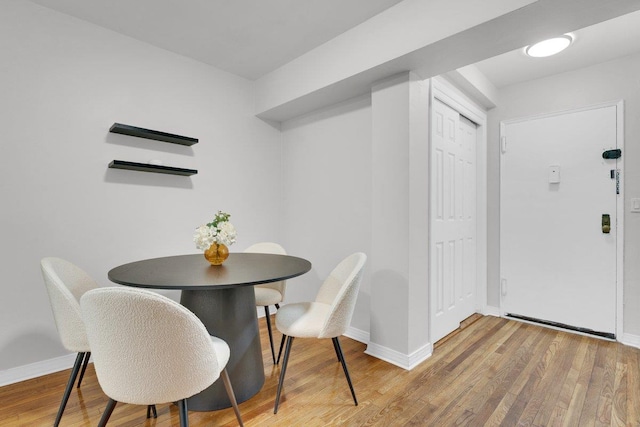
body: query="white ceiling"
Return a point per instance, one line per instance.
(250, 38)
(598, 43)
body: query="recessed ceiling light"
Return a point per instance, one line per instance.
(549, 47)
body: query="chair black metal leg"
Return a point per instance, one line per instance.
(67, 391)
(336, 343)
(152, 408)
(232, 397)
(281, 346)
(285, 361)
(266, 314)
(107, 413)
(184, 414)
(87, 355)
(335, 347)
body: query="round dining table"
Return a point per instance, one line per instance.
(223, 298)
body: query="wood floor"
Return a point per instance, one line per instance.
(493, 372)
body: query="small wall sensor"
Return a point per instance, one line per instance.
(554, 174)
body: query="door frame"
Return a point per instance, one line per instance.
(619, 104)
(455, 98)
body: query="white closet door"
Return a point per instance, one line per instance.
(453, 219)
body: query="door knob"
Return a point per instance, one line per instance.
(606, 223)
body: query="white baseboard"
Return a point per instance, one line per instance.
(404, 361)
(630, 340)
(37, 369)
(492, 311)
(357, 334)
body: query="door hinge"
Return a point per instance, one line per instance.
(503, 287)
(503, 144)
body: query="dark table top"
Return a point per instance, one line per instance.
(194, 272)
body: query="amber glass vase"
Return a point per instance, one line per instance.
(216, 254)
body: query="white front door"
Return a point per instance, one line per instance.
(453, 219)
(557, 253)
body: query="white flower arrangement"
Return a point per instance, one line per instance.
(219, 231)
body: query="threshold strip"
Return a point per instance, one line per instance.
(587, 331)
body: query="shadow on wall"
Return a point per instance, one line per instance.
(30, 347)
(362, 311)
(117, 176)
(336, 110)
(151, 145)
(389, 304)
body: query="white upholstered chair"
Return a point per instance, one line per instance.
(66, 283)
(269, 293)
(148, 349)
(326, 317)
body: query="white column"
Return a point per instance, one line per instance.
(399, 255)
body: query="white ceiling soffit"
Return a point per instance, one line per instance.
(598, 43)
(248, 38)
(536, 21)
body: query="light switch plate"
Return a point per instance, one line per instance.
(635, 205)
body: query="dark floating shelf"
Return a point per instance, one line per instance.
(152, 134)
(144, 167)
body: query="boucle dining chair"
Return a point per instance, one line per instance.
(66, 283)
(269, 293)
(326, 317)
(148, 349)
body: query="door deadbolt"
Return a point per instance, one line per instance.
(606, 223)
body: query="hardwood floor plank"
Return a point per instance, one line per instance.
(500, 412)
(590, 407)
(521, 358)
(476, 343)
(632, 360)
(619, 407)
(494, 372)
(492, 381)
(576, 404)
(564, 399)
(605, 400)
(543, 379)
(560, 410)
(555, 379)
(528, 384)
(504, 407)
(467, 373)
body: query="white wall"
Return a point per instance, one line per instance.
(63, 82)
(608, 81)
(355, 178)
(327, 195)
